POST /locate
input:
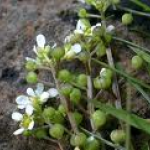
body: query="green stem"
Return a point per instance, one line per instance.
(130, 43)
(134, 11)
(141, 4)
(98, 136)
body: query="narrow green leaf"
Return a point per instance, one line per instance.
(125, 116)
(141, 53)
(123, 74)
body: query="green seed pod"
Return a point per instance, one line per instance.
(115, 2)
(137, 62)
(58, 53)
(75, 96)
(56, 131)
(98, 119)
(66, 89)
(92, 144)
(82, 13)
(64, 76)
(100, 50)
(40, 133)
(58, 117)
(105, 83)
(78, 139)
(48, 114)
(106, 73)
(82, 80)
(62, 109)
(118, 136)
(97, 83)
(78, 117)
(32, 77)
(127, 19)
(30, 66)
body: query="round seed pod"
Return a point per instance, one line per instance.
(57, 131)
(137, 62)
(118, 136)
(127, 19)
(32, 77)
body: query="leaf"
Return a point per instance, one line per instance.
(125, 116)
(145, 95)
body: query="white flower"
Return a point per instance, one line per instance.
(52, 92)
(30, 59)
(25, 103)
(41, 41)
(80, 27)
(110, 28)
(19, 117)
(76, 48)
(97, 25)
(39, 93)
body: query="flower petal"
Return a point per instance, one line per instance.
(30, 59)
(29, 110)
(40, 39)
(80, 25)
(39, 89)
(30, 92)
(19, 131)
(31, 125)
(35, 49)
(110, 28)
(21, 106)
(53, 92)
(76, 48)
(17, 116)
(22, 100)
(44, 96)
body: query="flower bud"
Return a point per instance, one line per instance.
(56, 131)
(127, 19)
(75, 96)
(58, 53)
(118, 136)
(64, 75)
(98, 119)
(137, 62)
(83, 57)
(31, 77)
(82, 13)
(30, 66)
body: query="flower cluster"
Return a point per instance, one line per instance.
(66, 104)
(35, 98)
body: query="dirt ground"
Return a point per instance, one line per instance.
(20, 22)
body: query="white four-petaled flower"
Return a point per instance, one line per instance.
(19, 117)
